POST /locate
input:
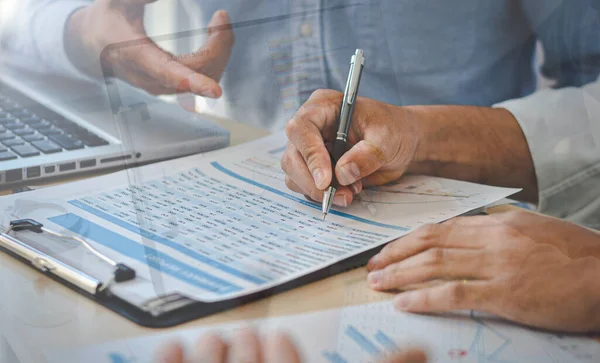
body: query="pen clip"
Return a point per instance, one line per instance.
(356, 64)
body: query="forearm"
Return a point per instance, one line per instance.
(477, 144)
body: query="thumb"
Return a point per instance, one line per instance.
(219, 22)
(212, 58)
(360, 161)
(308, 130)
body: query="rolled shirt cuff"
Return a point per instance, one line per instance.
(563, 135)
(48, 29)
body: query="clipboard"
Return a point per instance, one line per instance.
(168, 310)
(162, 312)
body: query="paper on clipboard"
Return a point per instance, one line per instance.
(223, 224)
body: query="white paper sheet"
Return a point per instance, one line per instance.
(367, 332)
(223, 224)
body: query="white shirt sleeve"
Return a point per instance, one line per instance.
(34, 35)
(562, 128)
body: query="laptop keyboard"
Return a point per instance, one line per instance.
(34, 130)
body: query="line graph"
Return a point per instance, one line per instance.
(488, 345)
(410, 190)
(407, 190)
(407, 186)
(478, 346)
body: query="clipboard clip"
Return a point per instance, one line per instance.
(45, 263)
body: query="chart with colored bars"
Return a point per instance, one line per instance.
(376, 346)
(484, 342)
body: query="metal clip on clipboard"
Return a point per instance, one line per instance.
(50, 265)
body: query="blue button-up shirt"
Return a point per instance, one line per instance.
(417, 52)
(475, 52)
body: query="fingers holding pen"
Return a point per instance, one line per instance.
(383, 139)
(306, 160)
(384, 145)
(309, 145)
(360, 161)
(298, 175)
(300, 180)
(309, 128)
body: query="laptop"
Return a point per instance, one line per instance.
(51, 127)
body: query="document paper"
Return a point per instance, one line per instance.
(223, 224)
(367, 332)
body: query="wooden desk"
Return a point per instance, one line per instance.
(38, 315)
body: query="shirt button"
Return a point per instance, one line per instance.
(306, 30)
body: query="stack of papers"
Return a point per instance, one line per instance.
(222, 225)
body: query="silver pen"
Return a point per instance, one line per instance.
(340, 145)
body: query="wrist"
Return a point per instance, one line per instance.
(425, 131)
(405, 134)
(437, 139)
(477, 144)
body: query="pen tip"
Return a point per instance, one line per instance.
(324, 216)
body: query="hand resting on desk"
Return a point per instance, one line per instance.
(528, 268)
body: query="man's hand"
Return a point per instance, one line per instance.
(524, 267)
(384, 140)
(246, 347)
(478, 144)
(94, 34)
